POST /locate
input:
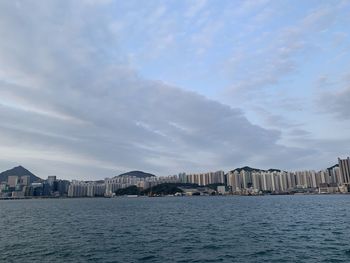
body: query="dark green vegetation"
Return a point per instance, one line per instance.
(131, 190)
(161, 189)
(18, 171)
(138, 174)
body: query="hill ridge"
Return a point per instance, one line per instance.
(18, 171)
(250, 169)
(136, 173)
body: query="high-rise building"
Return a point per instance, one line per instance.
(344, 167)
(62, 187)
(12, 180)
(24, 180)
(51, 180)
(204, 178)
(234, 181)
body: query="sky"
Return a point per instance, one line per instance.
(90, 89)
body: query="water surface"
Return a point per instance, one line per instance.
(177, 229)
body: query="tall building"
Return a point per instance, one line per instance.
(234, 181)
(12, 180)
(344, 167)
(94, 189)
(205, 178)
(24, 180)
(62, 187)
(77, 189)
(51, 180)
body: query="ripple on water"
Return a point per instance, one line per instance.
(209, 229)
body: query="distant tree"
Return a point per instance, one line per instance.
(163, 189)
(131, 190)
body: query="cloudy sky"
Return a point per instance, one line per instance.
(89, 89)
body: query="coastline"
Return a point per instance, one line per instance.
(162, 196)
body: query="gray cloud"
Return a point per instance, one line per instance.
(71, 105)
(299, 133)
(336, 103)
(275, 120)
(332, 95)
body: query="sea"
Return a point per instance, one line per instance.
(299, 228)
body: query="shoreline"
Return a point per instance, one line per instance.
(142, 196)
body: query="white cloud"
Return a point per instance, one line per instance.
(71, 104)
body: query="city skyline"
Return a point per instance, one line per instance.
(95, 88)
(19, 183)
(343, 164)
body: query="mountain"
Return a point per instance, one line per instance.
(138, 174)
(246, 168)
(18, 171)
(250, 169)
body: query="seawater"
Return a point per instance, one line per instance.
(177, 229)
